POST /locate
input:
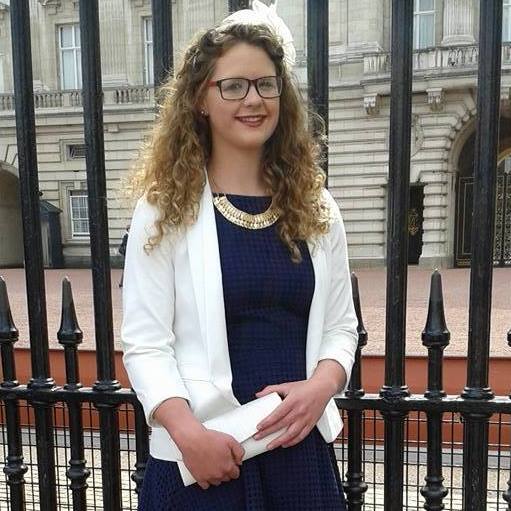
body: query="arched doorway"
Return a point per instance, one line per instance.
(11, 233)
(464, 201)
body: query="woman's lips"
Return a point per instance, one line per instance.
(251, 120)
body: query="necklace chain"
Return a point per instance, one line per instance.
(241, 218)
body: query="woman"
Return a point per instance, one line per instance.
(237, 283)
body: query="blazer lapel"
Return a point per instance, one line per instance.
(317, 308)
(203, 251)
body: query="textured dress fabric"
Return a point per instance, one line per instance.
(267, 300)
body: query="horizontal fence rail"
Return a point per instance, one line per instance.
(75, 447)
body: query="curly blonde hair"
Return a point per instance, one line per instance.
(170, 170)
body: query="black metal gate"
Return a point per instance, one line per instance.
(51, 406)
(502, 239)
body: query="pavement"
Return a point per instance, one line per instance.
(372, 285)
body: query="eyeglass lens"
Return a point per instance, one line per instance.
(237, 88)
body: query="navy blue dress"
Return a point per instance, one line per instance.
(267, 301)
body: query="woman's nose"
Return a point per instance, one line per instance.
(252, 95)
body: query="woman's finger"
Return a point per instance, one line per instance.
(203, 484)
(278, 414)
(282, 423)
(288, 435)
(298, 438)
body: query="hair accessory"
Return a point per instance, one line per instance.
(260, 14)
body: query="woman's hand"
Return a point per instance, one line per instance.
(212, 457)
(304, 403)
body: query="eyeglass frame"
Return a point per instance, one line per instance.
(253, 82)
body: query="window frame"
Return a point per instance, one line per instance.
(148, 51)
(80, 193)
(506, 6)
(76, 51)
(417, 13)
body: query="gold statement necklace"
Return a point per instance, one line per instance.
(241, 218)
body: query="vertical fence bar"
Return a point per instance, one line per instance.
(397, 248)
(100, 251)
(32, 241)
(475, 452)
(70, 336)
(317, 65)
(141, 446)
(14, 467)
(163, 53)
(435, 337)
(355, 487)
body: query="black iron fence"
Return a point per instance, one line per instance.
(85, 448)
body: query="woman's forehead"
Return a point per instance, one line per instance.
(244, 60)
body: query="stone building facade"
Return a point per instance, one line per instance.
(444, 107)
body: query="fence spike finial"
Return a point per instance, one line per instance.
(435, 333)
(435, 337)
(362, 332)
(8, 330)
(69, 331)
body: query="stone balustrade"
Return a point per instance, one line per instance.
(442, 59)
(73, 98)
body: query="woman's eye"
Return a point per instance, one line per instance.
(233, 86)
(266, 84)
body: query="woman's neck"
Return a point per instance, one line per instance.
(236, 173)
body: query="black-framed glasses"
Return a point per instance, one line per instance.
(237, 88)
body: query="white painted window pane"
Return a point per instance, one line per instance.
(506, 21)
(150, 67)
(148, 51)
(77, 36)
(426, 5)
(79, 214)
(424, 30)
(78, 64)
(66, 36)
(148, 30)
(68, 69)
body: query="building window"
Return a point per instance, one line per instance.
(423, 23)
(75, 151)
(70, 57)
(506, 21)
(148, 51)
(79, 213)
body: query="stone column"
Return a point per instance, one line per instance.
(113, 42)
(458, 22)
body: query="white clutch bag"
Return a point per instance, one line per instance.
(241, 423)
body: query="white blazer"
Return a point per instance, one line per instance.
(174, 332)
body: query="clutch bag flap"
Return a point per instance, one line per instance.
(241, 423)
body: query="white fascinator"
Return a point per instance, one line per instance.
(261, 14)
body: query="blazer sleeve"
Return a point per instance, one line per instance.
(148, 313)
(340, 337)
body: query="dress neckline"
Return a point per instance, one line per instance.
(244, 196)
